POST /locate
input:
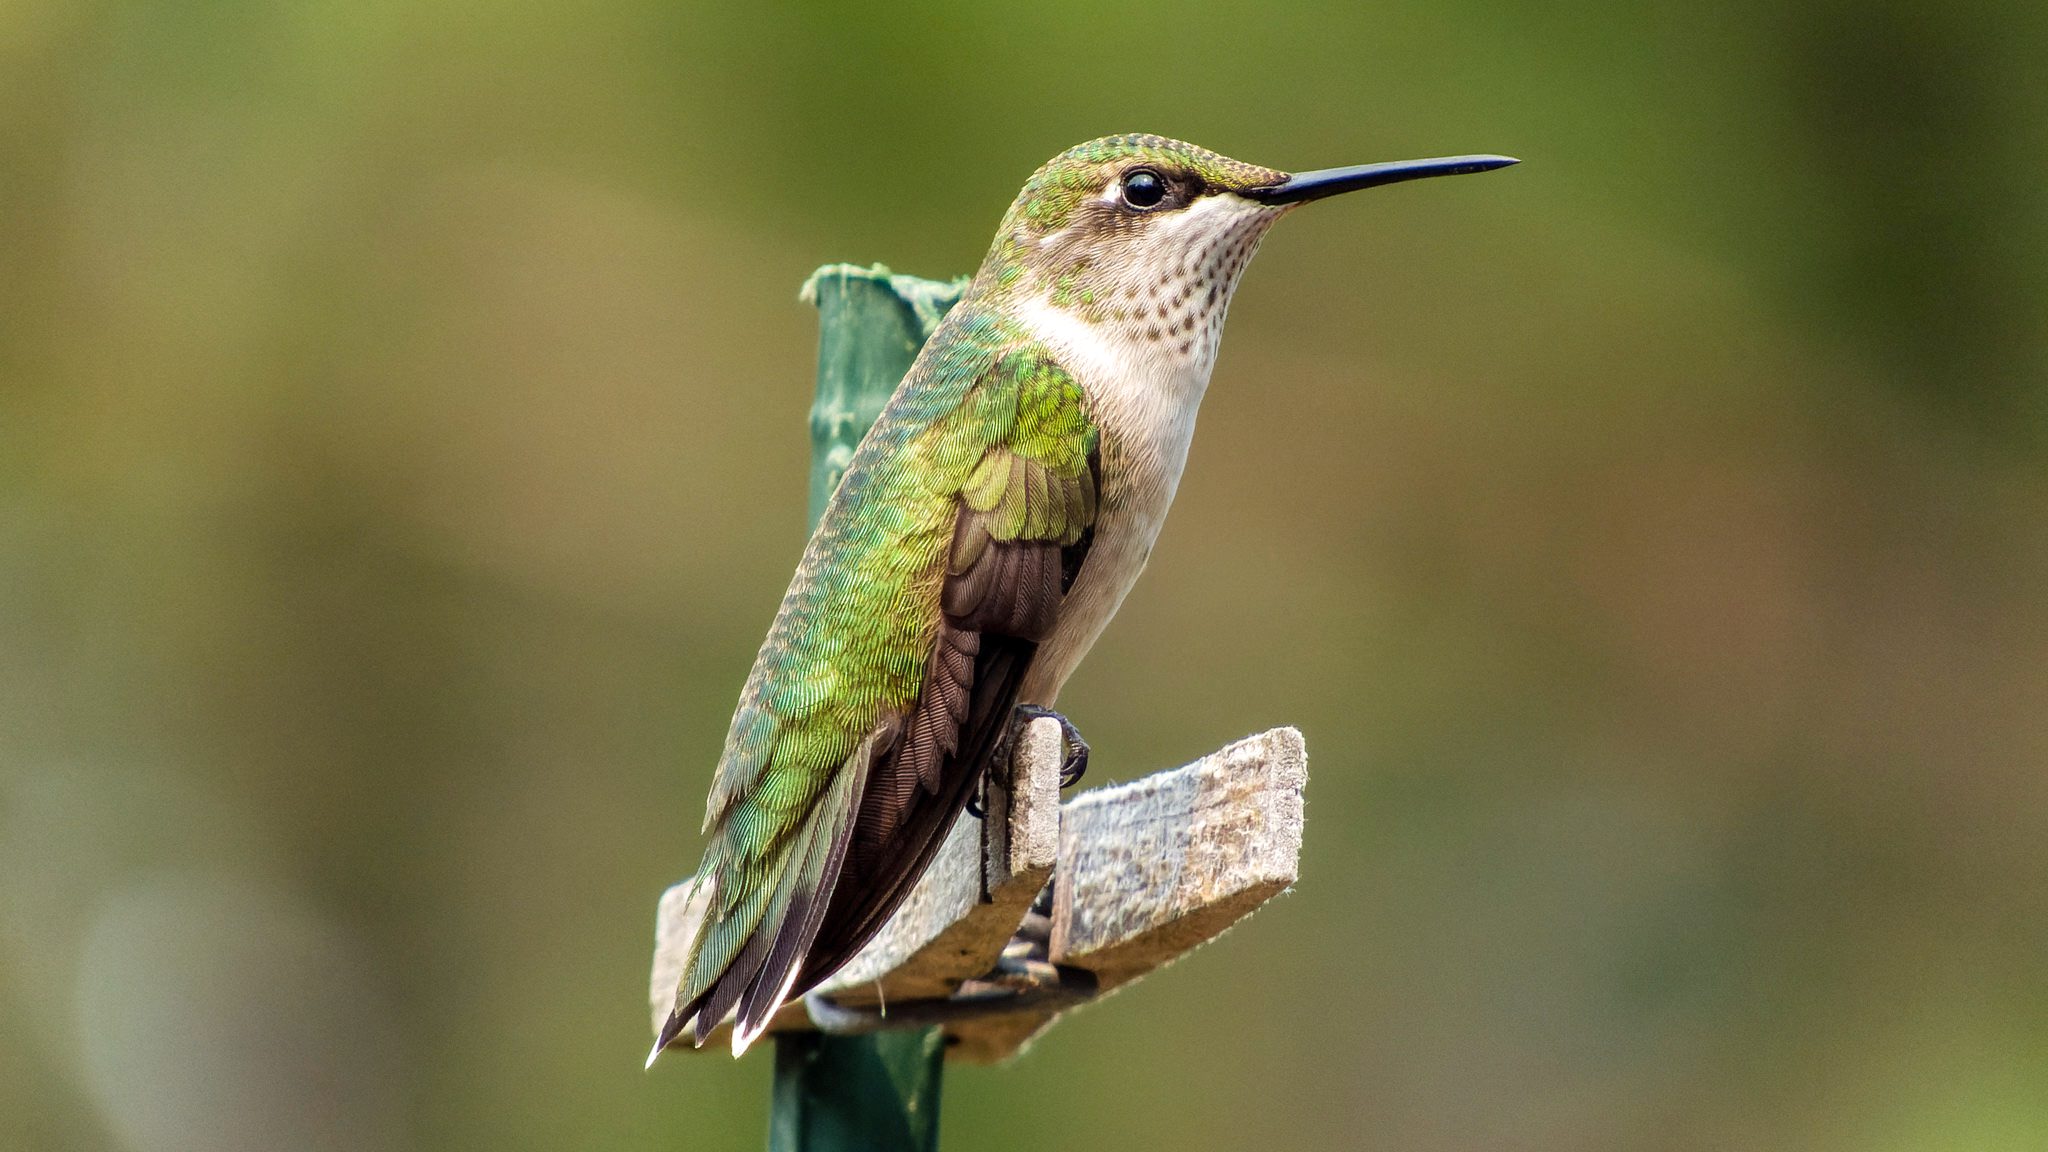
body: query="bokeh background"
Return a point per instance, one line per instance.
(402, 452)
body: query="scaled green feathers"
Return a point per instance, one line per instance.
(986, 429)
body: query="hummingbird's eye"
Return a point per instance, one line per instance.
(1143, 188)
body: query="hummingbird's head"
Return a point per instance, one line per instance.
(1144, 237)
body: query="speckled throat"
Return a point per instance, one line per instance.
(1155, 283)
(1163, 294)
(1132, 304)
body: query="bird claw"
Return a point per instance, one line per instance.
(1075, 764)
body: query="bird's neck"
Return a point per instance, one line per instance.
(1143, 392)
(1136, 319)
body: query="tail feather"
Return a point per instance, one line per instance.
(811, 889)
(875, 891)
(724, 956)
(748, 955)
(731, 984)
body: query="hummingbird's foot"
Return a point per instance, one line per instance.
(1072, 767)
(1075, 765)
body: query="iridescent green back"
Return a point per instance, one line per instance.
(850, 642)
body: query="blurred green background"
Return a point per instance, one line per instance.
(402, 452)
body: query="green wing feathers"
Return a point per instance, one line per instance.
(860, 692)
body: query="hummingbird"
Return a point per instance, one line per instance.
(985, 531)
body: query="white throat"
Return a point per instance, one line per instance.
(1144, 346)
(1141, 350)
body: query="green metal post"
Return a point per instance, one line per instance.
(870, 325)
(878, 1092)
(872, 1093)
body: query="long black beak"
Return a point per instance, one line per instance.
(1305, 186)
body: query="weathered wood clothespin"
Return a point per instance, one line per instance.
(1141, 873)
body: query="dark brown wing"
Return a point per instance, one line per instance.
(1017, 460)
(1018, 545)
